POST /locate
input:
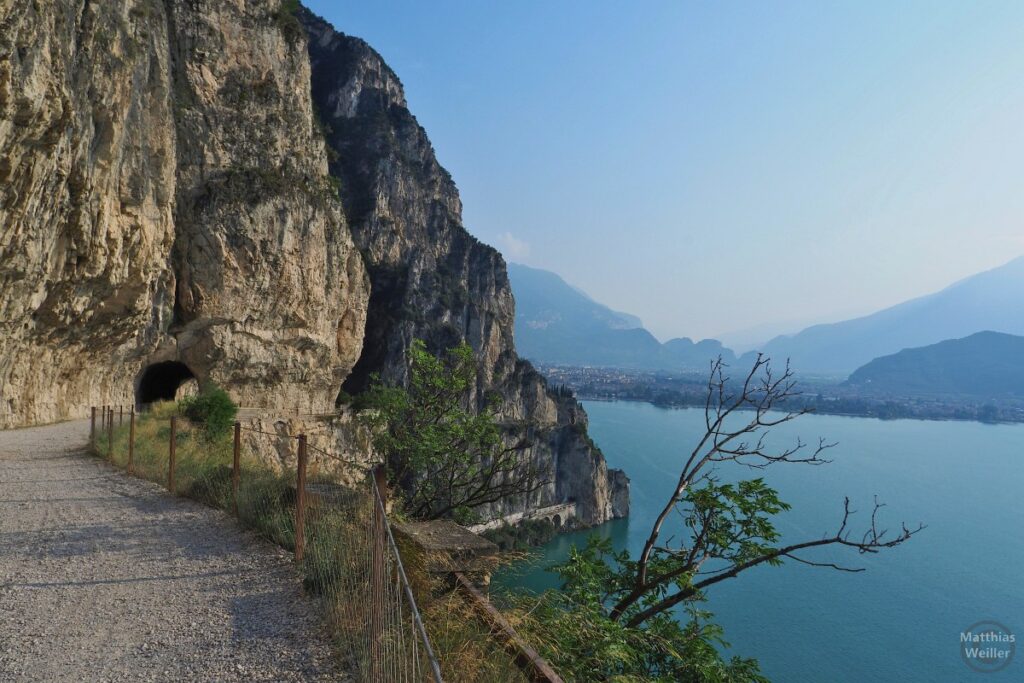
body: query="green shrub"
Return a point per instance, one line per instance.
(213, 409)
(288, 23)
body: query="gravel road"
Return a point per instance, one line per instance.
(104, 577)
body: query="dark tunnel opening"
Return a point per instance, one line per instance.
(160, 381)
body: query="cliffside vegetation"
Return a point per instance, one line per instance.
(445, 460)
(433, 281)
(623, 617)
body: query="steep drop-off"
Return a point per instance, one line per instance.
(430, 279)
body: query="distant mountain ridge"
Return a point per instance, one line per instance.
(990, 300)
(559, 324)
(985, 364)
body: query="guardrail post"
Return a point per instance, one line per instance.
(300, 502)
(120, 416)
(92, 428)
(131, 441)
(110, 440)
(236, 466)
(378, 571)
(170, 464)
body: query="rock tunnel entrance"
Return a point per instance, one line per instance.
(160, 381)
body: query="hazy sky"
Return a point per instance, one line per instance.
(715, 166)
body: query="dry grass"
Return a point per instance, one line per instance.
(336, 567)
(467, 650)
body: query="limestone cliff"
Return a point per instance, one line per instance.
(430, 278)
(168, 212)
(164, 197)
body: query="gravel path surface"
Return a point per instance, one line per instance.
(104, 577)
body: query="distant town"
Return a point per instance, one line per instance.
(688, 389)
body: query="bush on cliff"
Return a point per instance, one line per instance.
(213, 409)
(447, 455)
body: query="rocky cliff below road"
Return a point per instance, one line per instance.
(173, 207)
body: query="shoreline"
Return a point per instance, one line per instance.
(862, 416)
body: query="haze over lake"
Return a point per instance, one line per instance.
(900, 619)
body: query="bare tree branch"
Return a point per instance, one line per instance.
(872, 542)
(738, 419)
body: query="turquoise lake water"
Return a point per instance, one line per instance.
(898, 621)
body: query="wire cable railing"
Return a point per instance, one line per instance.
(337, 526)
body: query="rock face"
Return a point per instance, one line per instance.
(87, 188)
(430, 278)
(164, 197)
(168, 214)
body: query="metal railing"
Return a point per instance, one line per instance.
(337, 527)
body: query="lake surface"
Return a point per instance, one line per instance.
(898, 621)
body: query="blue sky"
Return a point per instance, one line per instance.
(714, 166)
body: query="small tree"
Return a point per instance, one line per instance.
(629, 606)
(447, 459)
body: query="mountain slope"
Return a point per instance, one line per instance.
(987, 301)
(545, 301)
(557, 323)
(430, 279)
(170, 211)
(989, 364)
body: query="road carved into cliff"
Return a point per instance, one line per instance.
(108, 578)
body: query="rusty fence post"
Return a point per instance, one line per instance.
(92, 428)
(236, 466)
(380, 480)
(170, 463)
(110, 440)
(131, 441)
(378, 572)
(300, 502)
